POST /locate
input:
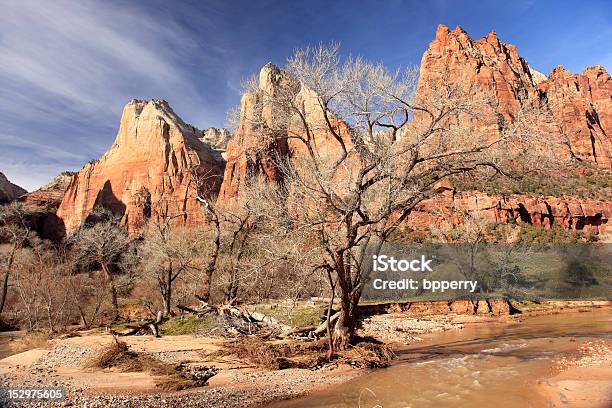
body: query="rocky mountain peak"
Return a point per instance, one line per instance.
(581, 104)
(147, 170)
(217, 138)
(8, 190)
(596, 72)
(50, 195)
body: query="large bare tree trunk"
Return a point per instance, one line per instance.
(168, 294)
(5, 278)
(113, 291)
(115, 303)
(4, 289)
(212, 263)
(349, 297)
(344, 329)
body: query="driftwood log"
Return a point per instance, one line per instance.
(152, 326)
(239, 320)
(323, 327)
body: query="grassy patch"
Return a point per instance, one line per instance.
(300, 316)
(189, 325)
(583, 181)
(536, 234)
(215, 356)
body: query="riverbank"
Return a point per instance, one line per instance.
(584, 381)
(238, 381)
(502, 363)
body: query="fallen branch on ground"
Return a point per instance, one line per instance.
(151, 326)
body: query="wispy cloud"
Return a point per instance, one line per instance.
(87, 52)
(67, 67)
(73, 64)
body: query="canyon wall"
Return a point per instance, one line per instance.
(49, 196)
(146, 171)
(581, 104)
(258, 143)
(568, 213)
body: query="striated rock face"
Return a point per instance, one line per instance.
(251, 152)
(145, 172)
(247, 152)
(492, 306)
(568, 213)
(481, 66)
(49, 196)
(8, 190)
(581, 104)
(42, 205)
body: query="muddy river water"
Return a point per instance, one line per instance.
(483, 365)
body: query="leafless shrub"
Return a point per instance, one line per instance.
(40, 283)
(15, 232)
(167, 254)
(103, 245)
(277, 356)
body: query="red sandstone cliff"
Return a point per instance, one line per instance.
(148, 165)
(49, 196)
(484, 66)
(250, 152)
(568, 213)
(581, 104)
(42, 205)
(146, 170)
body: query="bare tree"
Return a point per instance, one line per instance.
(40, 282)
(237, 228)
(364, 151)
(15, 230)
(167, 253)
(86, 294)
(200, 182)
(102, 245)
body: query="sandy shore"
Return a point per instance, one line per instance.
(239, 383)
(579, 387)
(584, 381)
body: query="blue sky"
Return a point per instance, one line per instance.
(68, 67)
